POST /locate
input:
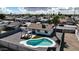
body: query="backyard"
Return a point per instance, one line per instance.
(71, 42)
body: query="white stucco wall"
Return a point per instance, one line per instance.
(77, 34)
(43, 32)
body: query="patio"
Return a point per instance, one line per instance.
(71, 42)
(12, 42)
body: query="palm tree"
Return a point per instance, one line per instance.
(56, 21)
(49, 21)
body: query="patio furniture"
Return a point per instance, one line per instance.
(25, 36)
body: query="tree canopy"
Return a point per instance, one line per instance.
(2, 16)
(55, 20)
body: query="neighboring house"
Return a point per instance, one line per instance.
(23, 20)
(28, 23)
(20, 20)
(43, 29)
(32, 19)
(70, 21)
(25, 17)
(63, 21)
(44, 20)
(2, 26)
(76, 18)
(14, 24)
(9, 18)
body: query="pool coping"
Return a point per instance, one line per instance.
(24, 42)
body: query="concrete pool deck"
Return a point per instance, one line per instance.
(13, 42)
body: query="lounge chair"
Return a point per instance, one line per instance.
(25, 36)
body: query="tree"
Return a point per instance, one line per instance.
(42, 15)
(62, 17)
(49, 22)
(2, 16)
(56, 21)
(59, 13)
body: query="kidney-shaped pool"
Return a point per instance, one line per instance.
(39, 42)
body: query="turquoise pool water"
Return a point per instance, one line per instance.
(40, 42)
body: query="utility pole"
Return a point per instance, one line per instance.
(74, 15)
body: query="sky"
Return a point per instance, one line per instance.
(14, 10)
(32, 10)
(40, 3)
(24, 10)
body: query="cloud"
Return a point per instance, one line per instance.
(5, 10)
(22, 10)
(35, 10)
(25, 10)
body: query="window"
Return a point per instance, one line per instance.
(38, 30)
(46, 32)
(43, 26)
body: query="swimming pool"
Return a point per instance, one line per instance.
(39, 42)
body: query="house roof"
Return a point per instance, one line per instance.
(13, 24)
(44, 20)
(20, 19)
(9, 17)
(39, 26)
(62, 20)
